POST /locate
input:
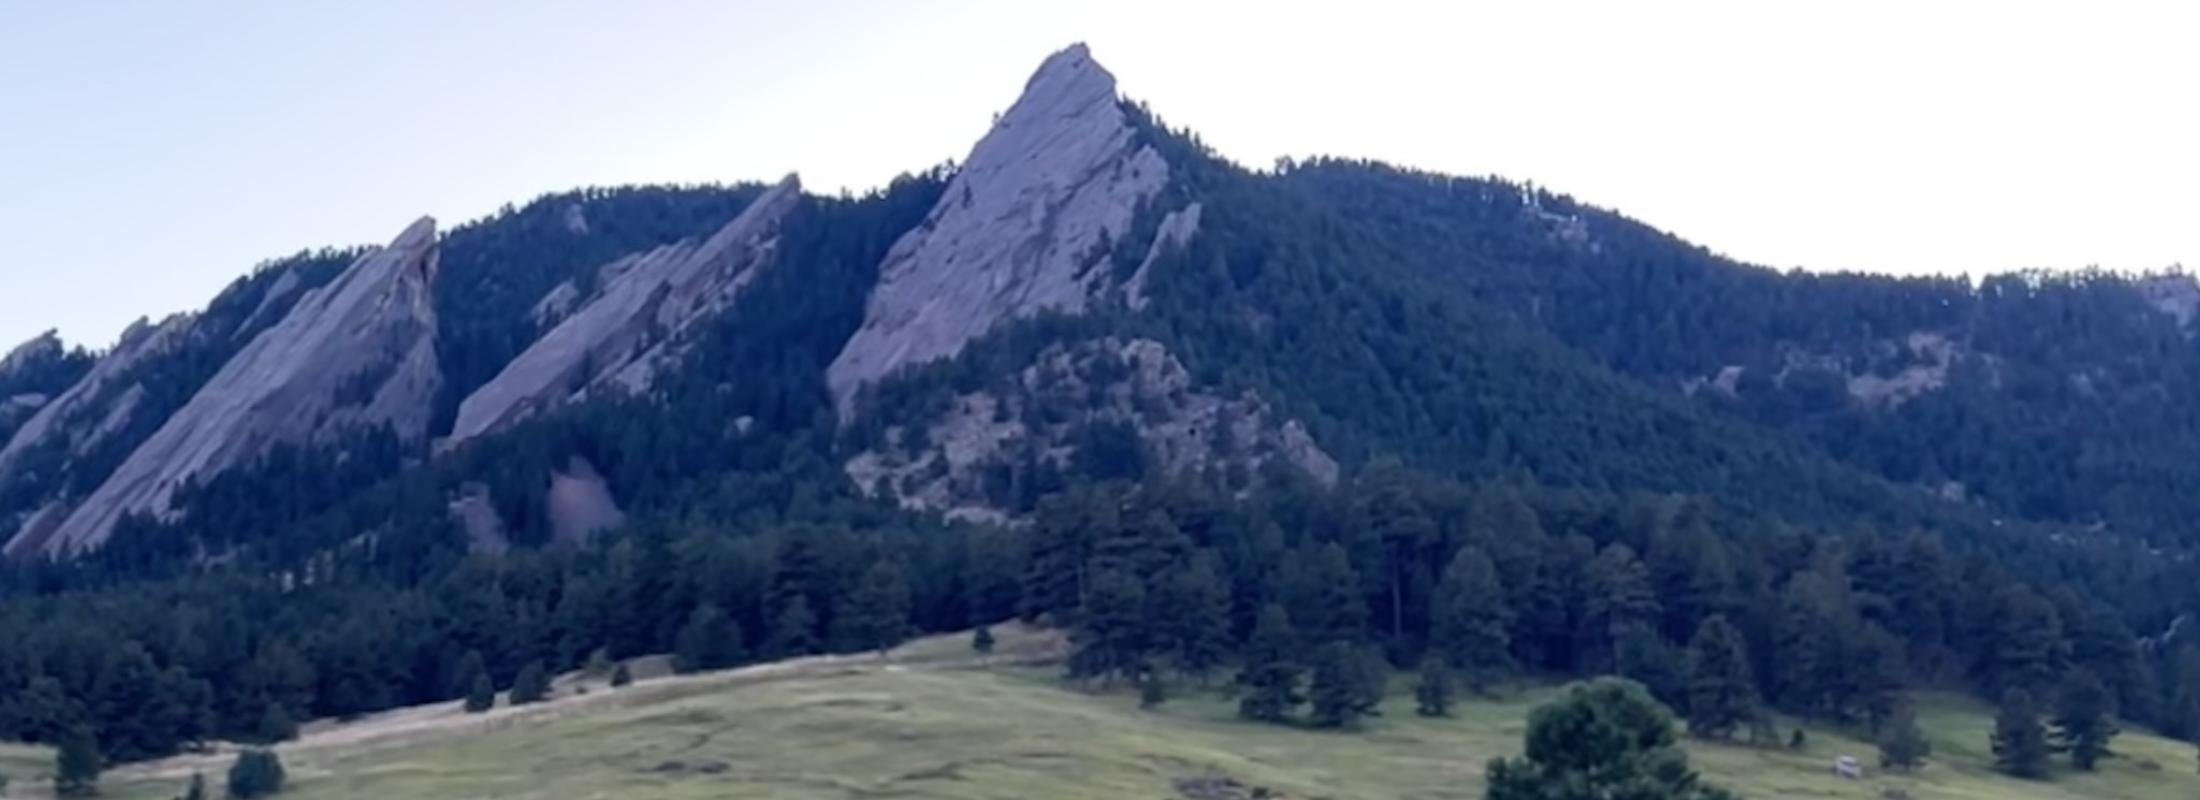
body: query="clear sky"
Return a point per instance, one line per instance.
(152, 151)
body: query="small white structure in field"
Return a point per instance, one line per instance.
(1847, 767)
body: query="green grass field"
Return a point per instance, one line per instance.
(926, 725)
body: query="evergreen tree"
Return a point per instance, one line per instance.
(982, 642)
(1432, 694)
(2019, 743)
(1332, 593)
(1152, 689)
(472, 669)
(877, 614)
(1604, 739)
(793, 631)
(1344, 687)
(77, 765)
(1619, 596)
(1645, 657)
(532, 685)
(276, 725)
(599, 664)
(255, 773)
(196, 789)
(1191, 613)
(1269, 678)
(620, 676)
(708, 641)
(1110, 635)
(482, 696)
(1721, 694)
(2083, 727)
(1470, 622)
(1902, 745)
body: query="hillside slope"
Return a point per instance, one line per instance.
(927, 722)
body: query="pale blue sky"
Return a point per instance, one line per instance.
(152, 151)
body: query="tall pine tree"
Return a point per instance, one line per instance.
(2083, 724)
(1268, 681)
(1721, 694)
(1470, 622)
(2019, 743)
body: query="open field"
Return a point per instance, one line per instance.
(925, 723)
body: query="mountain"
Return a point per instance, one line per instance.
(1092, 366)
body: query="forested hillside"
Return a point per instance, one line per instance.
(1296, 426)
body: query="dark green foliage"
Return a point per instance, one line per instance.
(1346, 684)
(2083, 724)
(77, 765)
(1153, 690)
(1722, 697)
(1605, 738)
(532, 685)
(1647, 658)
(1191, 612)
(708, 641)
(1111, 633)
(276, 725)
(877, 613)
(621, 676)
(981, 641)
(196, 789)
(481, 696)
(2020, 744)
(1470, 622)
(1432, 692)
(794, 631)
(256, 773)
(1902, 745)
(1268, 680)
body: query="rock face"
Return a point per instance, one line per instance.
(621, 338)
(1024, 227)
(101, 395)
(357, 353)
(968, 454)
(44, 346)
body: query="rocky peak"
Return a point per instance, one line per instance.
(1024, 227)
(357, 353)
(631, 329)
(40, 348)
(100, 395)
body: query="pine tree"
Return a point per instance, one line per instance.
(1470, 622)
(1269, 678)
(532, 685)
(196, 789)
(1902, 745)
(982, 642)
(77, 765)
(1432, 694)
(1619, 595)
(471, 670)
(2083, 727)
(877, 614)
(708, 641)
(1332, 594)
(1645, 657)
(1191, 611)
(2019, 743)
(1721, 694)
(256, 773)
(794, 631)
(1110, 635)
(276, 725)
(598, 665)
(1604, 739)
(620, 676)
(1343, 687)
(482, 696)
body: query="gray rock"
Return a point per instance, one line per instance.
(1176, 229)
(98, 394)
(1024, 227)
(356, 353)
(620, 339)
(41, 347)
(580, 503)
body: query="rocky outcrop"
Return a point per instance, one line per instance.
(100, 403)
(357, 353)
(2175, 294)
(1025, 226)
(42, 347)
(632, 328)
(962, 460)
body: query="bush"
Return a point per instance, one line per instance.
(256, 773)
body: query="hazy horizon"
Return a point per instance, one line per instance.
(157, 152)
